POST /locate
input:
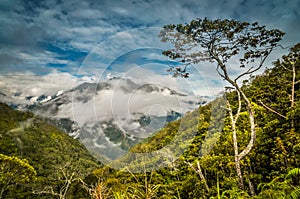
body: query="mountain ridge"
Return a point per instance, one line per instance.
(115, 114)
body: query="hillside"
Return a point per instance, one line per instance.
(270, 170)
(49, 151)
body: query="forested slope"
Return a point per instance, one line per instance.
(54, 155)
(265, 169)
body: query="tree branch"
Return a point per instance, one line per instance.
(199, 172)
(255, 69)
(272, 110)
(49, 191)
(221, 75)
(286, 68)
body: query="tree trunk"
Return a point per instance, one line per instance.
(239, 172)
(293, 92)
(252, 126)
(251, 188)
(235, 144)
(250, 111)
(202, 176)
(241, 94)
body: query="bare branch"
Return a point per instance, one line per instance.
(272, 110)
(48, 190)
(199, 172)
(248, 72)
(255, 69)
(286, 68)
(221, 75)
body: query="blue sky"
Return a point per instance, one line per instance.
(85, 37)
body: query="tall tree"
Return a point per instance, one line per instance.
(221, 42)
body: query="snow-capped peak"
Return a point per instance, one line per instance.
(48, 98)
(59, 92)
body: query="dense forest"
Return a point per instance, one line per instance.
(39, 161)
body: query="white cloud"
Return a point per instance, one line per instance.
(82, 25)
(122, 101)
(22, 85)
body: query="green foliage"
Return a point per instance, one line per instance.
(283, 186)
(293, 173)
(45, 148)
(276, 150)
(14, 171)
(218, 41)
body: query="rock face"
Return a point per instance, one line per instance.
(110, 117)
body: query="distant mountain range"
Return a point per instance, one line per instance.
(109, 117)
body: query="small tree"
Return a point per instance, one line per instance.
(220, 42)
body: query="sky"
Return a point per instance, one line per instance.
(66, 42)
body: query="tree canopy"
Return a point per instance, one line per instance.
(219, 41)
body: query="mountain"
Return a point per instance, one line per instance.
(16, 99)
(110, 117)
(47, 149)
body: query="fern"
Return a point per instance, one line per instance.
(293, 173)
(295, 194)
